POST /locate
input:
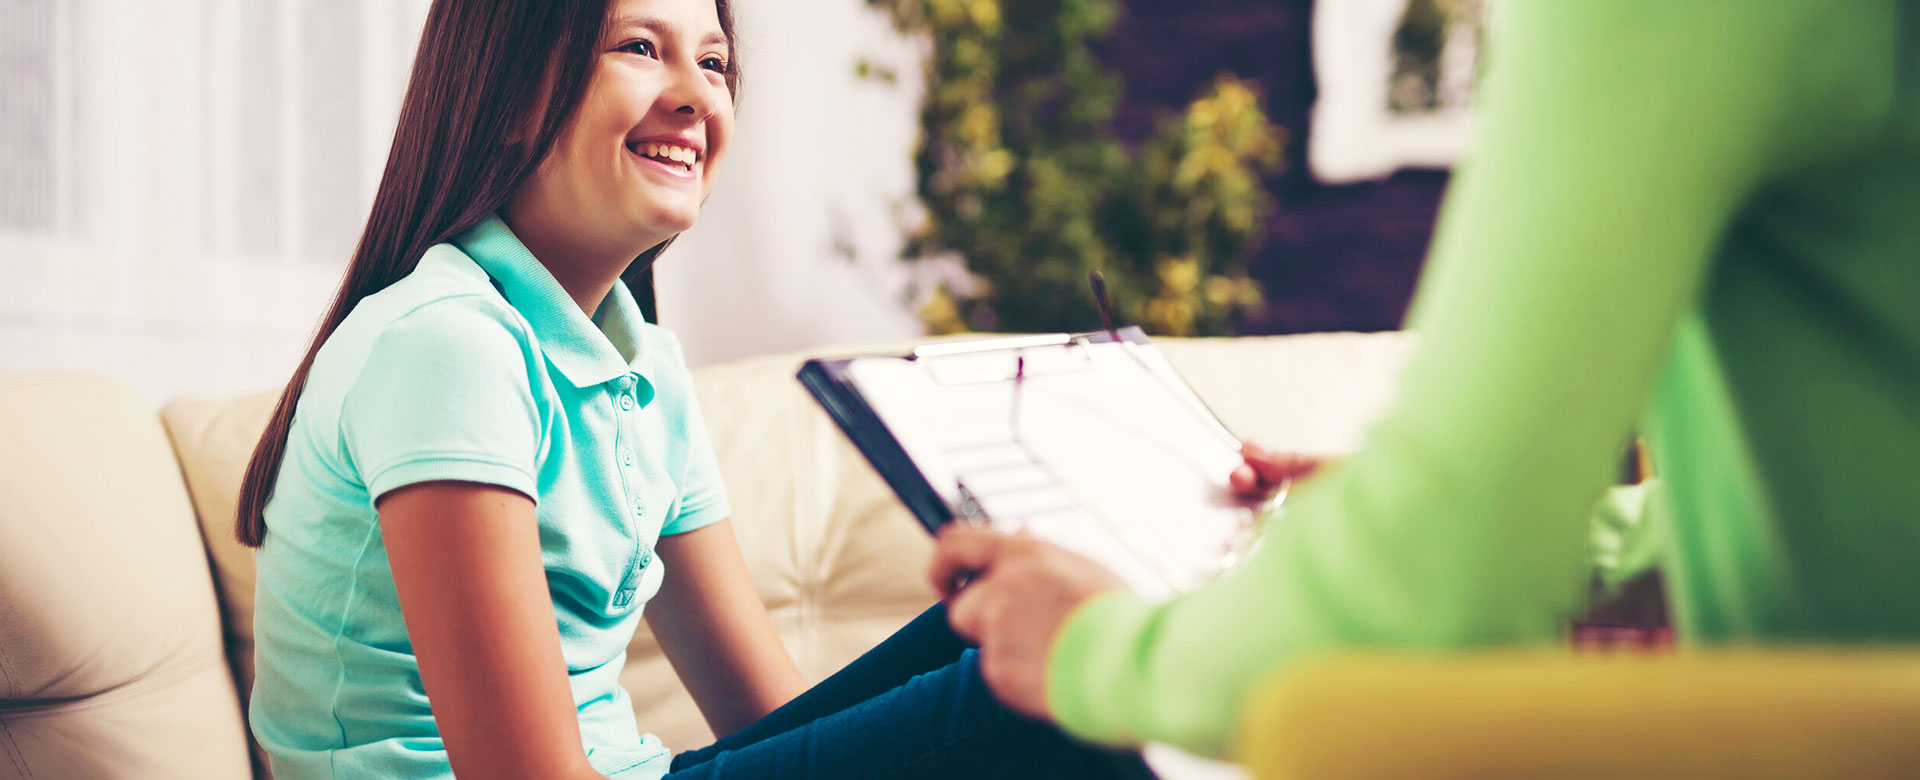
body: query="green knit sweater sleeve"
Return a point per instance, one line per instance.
(1617, 140)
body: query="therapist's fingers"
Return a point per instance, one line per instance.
(1245, 481)
(967, 609)
(1265, 469)
(962, 552)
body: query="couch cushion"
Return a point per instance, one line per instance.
(1313, 393)
(838, 561)
(213, 440)
(110, 650)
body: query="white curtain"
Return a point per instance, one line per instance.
(182, 183)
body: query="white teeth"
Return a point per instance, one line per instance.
(668, 153)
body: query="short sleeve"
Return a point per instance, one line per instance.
(703, 495)
(445, 394)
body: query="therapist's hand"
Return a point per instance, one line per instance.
(1021, 590)
(1264, 470)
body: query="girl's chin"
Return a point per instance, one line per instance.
(662, 223)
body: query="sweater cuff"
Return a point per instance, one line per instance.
(1090, 684)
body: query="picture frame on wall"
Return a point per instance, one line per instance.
(1395, 82)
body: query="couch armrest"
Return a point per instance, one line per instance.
(1731, 714)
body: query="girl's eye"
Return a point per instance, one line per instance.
(714, 64)
(643, 48)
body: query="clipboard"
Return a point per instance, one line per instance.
(1021, 433)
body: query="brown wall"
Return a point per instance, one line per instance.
(1335, 258)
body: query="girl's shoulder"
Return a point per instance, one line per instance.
(435, 377)
(446, 285)
(446, 314)
(446, 293)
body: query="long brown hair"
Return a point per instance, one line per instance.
(463, 145)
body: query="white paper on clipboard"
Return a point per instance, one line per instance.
(1098, 447)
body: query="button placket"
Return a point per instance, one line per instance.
(643, 553)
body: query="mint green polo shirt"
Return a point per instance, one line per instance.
(476, 367)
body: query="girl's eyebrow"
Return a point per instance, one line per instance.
(663, 28)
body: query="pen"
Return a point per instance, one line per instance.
(1019, 376)
(1100, 299)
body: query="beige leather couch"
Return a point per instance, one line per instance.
(126, 609)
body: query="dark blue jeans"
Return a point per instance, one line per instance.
(914, 707)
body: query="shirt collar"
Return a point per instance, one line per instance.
(587, 351)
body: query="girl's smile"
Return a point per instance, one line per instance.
(632, 166)
(680, 157)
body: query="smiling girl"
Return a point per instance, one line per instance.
(489, 462)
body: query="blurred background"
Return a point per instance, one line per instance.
(182, 182)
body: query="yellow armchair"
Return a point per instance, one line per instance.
(1719, 714)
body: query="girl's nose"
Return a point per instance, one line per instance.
(690, 93)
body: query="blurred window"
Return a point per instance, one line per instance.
(32, 118)
(182, 182)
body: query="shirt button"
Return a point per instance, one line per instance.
(626, 403)
(640, 506)
(626, 457)
(646, 557)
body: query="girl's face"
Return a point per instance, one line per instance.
(639, 155)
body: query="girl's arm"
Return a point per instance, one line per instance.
(466, 565)
(716, 633)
